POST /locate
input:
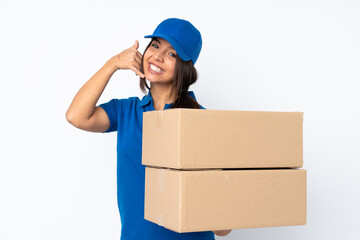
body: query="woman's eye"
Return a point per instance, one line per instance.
(154, 45)
(172, 54)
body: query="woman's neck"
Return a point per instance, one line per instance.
(161, 95)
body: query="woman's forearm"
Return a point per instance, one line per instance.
(84, 102)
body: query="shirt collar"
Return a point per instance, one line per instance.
(148, 98)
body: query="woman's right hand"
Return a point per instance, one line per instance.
(128, 59)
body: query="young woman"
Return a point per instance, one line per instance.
(168, 64)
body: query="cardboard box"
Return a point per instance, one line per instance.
(195, 139)
(188, 201)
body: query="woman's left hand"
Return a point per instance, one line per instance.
(222, 232)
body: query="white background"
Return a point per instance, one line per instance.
(58, 182)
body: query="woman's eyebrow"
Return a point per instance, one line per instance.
(156, 40)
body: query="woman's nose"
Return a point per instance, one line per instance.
(159, 56)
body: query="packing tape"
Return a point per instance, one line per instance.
(161, 180)
(160, 219)
(160, 119)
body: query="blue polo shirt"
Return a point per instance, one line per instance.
(126, 117)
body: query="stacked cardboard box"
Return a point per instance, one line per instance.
(216, 170)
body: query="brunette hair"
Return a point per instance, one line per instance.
(185, 75)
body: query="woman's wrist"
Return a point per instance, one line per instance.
(111, 66)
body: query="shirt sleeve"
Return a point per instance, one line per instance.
(112, 109)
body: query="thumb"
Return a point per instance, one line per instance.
(136, 45)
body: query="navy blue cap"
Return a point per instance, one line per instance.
(183, 37)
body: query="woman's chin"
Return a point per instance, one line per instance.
(158, 81)
(150, 77)
(151, 80)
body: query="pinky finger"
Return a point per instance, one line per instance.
(138, 73)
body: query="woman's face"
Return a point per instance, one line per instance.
(159, 62)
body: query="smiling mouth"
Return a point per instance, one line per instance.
(155, 68)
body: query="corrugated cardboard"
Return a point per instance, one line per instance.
(188, 201)
(195, 139)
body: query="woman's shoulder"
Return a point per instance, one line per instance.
(126, 100)
(132, 99)
(122, 102)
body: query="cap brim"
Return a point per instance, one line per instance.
(179, 50)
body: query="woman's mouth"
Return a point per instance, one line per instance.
(154, 68)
